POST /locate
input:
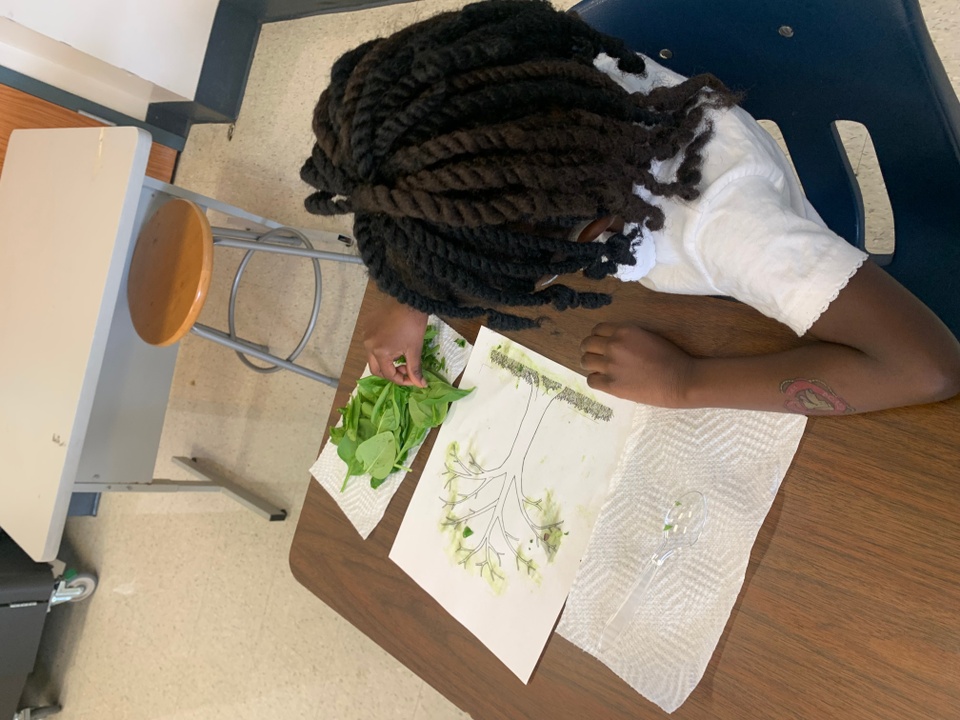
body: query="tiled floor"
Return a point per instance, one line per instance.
(197, 615)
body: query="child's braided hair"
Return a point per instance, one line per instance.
(458, 139)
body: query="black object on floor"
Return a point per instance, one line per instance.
(25, 588)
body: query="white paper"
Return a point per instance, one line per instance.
(363, 505)
(504, 509)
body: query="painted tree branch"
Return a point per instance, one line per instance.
(495, 497)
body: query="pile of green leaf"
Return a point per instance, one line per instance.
(382, 421)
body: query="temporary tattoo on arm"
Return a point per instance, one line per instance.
(813, 397)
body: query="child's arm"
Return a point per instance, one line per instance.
(879, 347)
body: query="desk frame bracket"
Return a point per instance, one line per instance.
(210, 480)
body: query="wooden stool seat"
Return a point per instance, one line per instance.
(170, 272)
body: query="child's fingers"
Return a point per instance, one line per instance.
(405, 378)
(414, 373)
(594, 363)
(594, 344)
(388, 371)
(599, 381)
(604, 329)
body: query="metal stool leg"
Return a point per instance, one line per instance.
(243, 348)
(281, 241)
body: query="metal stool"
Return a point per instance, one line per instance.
(170, 276)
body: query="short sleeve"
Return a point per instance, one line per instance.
(755, 247)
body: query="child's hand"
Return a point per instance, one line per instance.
(630, 362)
(397, 330)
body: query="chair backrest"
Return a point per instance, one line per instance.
(806, 64)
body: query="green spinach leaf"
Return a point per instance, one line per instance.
(383, 422)
(378, 455)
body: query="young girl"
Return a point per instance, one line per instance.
(490, 151)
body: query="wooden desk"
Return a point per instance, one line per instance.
(851, 604)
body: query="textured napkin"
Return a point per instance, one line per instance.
(737, 459)
(363, 505)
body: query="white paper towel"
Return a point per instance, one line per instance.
(363, 505)
(737, 459)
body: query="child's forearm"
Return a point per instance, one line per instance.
(819, 379)
(876, 347)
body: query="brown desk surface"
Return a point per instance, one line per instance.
(851, 604)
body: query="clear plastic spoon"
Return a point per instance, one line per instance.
(682, 526)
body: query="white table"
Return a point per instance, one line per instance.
(82, 397)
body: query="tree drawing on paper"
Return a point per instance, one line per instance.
(492, 522)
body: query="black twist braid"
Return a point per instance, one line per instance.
(465, 144)
(435, 246)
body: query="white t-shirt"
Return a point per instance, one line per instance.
(751, 235)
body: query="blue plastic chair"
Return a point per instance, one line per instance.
(808, 63)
